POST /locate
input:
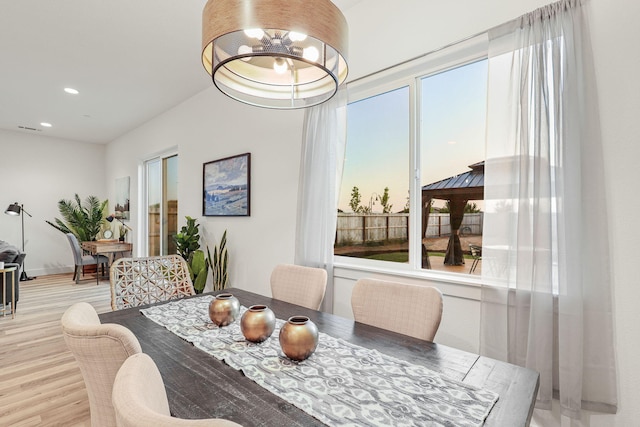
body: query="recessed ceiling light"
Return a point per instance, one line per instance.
(451, 142)
(45, 124)
(71, 90)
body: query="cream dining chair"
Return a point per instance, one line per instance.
(299, 285)
(140, 399)
(406, 309)
(100, 350)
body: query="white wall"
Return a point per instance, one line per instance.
(211, 126)
(37, 171)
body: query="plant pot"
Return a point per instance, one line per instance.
(299, 338)
(257, 323)
(224, 309)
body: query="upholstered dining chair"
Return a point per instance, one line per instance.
(100, 350)
(80, 259)
(406, 309)
(140, 281)
(299, 285)
(140, 399)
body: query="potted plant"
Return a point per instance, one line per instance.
(219, 263)
(82, 218)
(188, 246)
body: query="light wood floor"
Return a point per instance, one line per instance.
(40, 382)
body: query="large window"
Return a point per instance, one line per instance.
(372, 222)
(412, 187)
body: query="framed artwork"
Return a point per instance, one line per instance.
(226, 185)
(122, 198)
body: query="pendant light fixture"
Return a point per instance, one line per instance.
(281, 54)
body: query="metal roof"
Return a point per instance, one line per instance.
(468, 185)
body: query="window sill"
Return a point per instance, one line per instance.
(451, 284)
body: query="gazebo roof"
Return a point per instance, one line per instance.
(468, 185)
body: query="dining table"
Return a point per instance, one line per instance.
(199, 385)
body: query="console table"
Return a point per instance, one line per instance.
(106, 247)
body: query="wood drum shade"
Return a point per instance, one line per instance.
(242, 65)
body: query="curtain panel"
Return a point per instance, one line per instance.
(546, 298)
(321, 163)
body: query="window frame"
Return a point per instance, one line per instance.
(408, 74)
(143, 194)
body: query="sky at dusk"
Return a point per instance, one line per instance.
(452, 131)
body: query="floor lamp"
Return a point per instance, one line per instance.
(17, 209)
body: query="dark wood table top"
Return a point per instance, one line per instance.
(200, 386)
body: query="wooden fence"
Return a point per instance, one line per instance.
(360, 229)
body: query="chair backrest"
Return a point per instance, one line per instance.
(75, 248)
(407, 309)
(299, 285)
(100, 350)
(140, 281)
(476, 251)
(140, 399)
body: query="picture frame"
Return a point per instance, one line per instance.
(121, 208)
(226, 186)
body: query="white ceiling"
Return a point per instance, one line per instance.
(130, 59)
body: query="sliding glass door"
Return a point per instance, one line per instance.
(161, 175)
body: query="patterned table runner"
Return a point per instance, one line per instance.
(341, 384)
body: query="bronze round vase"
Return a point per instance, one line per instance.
(257, 323)
(224, 309)
(299, 338)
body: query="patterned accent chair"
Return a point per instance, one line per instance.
(100, 350)
(406, 309)
(140, 399)
(299, 285)
(141, 281)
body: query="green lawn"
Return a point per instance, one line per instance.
(404, 256)
(391, 256)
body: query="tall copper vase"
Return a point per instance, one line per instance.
(224, 309)
(299, 338)
(257, 323)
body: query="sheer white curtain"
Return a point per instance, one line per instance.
(546, 302)
(322, 159)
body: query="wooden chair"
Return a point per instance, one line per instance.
(80, 259)
(99, 350)
(140, 281)
(299, 285)
(140, 398)
(406, 309)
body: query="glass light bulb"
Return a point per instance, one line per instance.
(256, 33)
(244, 50)
(311, 53)
(280, 66)
(296, 37)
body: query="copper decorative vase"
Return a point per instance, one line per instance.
(299, 338)
(257, 323)
(224, 309)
